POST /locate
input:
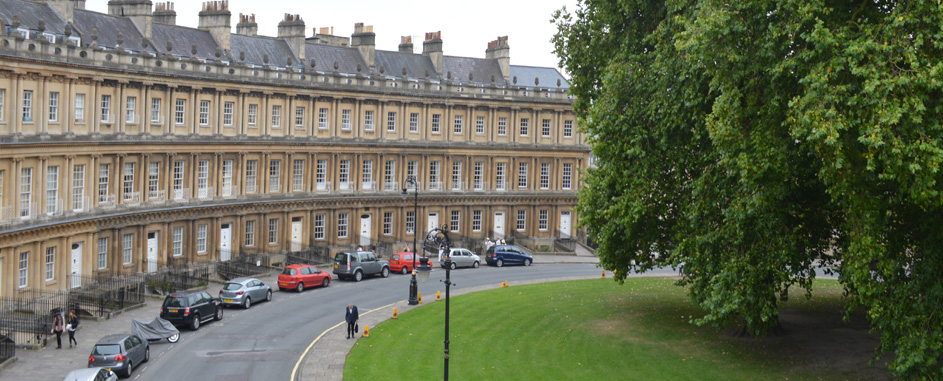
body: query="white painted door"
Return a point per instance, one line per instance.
(433, 222)
(296, 229)
(565, 224)
(76, 269)
(499, 225)
(225, 242)
(152, 252)
(365, 230)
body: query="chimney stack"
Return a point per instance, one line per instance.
(365, 41)
(432, 47)
(406, 44)
(139, 11)
(499, 50)
(215, 18)
(292, 30)
(247, 25)
(165, 14)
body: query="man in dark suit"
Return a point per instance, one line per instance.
(351, 317)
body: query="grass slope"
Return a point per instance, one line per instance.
(573, 330)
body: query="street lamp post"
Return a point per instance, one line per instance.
(413, 285)
(440, 238)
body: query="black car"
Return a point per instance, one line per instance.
(191, 309)
(120, 352)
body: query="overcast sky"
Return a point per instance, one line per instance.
(467, 26)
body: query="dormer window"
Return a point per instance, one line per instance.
(23, 32)
(75, 40)
(50, 37)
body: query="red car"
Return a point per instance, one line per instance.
(300, 276)
(402, 262)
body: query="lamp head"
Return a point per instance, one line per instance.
(423, 270)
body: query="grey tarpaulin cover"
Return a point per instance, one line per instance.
(154, 330)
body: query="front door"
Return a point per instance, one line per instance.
(296, 231)
(76, 270)
(365, 230)
(433, 222)
(225, 242)
(499, 225)
(565, 224)
(152, 252)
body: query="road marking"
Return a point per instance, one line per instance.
(304, 354)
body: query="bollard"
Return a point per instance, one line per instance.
(395, 313)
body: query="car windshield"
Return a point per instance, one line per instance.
(232, 286)
(289, 272)
(106, 350)
(174, 301)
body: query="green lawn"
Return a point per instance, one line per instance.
(592, 329)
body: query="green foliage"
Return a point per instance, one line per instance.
(742, 142)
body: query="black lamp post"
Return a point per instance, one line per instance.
(413, 286)
(440, 238)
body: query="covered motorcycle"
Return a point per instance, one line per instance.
(155, 330)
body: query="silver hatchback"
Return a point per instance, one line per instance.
(244, 291)
(120, 353)
(461, 258)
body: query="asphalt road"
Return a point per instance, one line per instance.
(265, 342)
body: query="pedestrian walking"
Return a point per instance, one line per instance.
(73, 324)
(58, 325)
(352, 316)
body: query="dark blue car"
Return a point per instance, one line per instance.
(500, 255)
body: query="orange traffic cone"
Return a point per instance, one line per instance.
(506, 284)
(420, 298)
(395, 314)
(604, 274)
(438, 296)
(366, 331)
(501, 285)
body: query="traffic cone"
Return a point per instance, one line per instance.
(366, 331)
(501, 285)
(604, 274)
(395, 314)
(420, 298)
(438, 296)
(506, 284)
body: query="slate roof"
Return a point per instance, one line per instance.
(108, 28)
(416, 64)
(30, 13)
(548, 77)
(256, 47)
(481, 70)
(347, 59)
(183, 39)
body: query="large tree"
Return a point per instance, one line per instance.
(748, 142)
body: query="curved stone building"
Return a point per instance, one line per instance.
(129, 143)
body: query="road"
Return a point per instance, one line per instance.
(265, 342)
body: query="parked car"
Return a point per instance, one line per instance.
(242, 291)
(120, 353)
(500, 255)
(355, 265)
(191, 309)
(402, 262)
(300, 276)
(461, 258)
(91, 374)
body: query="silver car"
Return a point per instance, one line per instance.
(120, 353)
(244, 291)
(91, 374)
(461, 258)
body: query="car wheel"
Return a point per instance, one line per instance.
(195, 325)
(454, 266)
(326, 282)
(358, 276)
(499, 263)
(268, 296)
(147, 354)
(300, 288)
(219, 313)
(248, 303)
(385, 272)
(404, 270)
(476, 264)
(130, 369)
(527, 262)
(174, 337)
